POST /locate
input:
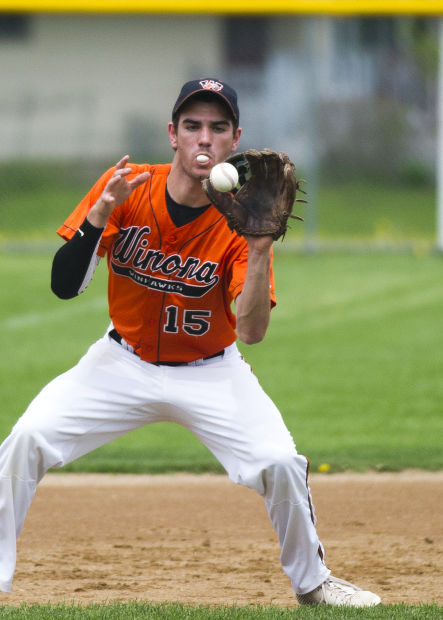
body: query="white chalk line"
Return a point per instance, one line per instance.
(33, 319)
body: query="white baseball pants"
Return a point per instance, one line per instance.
(111, 392)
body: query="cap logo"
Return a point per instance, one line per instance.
(211, 85)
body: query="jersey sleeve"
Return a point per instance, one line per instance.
(238, 271)
(74, 221)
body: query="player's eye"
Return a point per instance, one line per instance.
(220, 128)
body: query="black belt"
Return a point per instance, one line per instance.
(116, 336)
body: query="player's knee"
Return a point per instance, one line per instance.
(286, 478)
(273, 468)
(26, 430)
(26, 453)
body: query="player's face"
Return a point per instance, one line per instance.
(204, 128)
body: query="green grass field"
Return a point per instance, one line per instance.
(35, 198)
(353, 357)
(138, 610)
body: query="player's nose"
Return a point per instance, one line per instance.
(205, 136)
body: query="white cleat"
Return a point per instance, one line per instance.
(336, 591)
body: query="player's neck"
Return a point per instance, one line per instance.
(185, 190)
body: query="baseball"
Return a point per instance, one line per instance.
(224, 177)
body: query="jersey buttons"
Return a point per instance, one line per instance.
(170, 242)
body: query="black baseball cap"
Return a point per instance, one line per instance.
(226, 93)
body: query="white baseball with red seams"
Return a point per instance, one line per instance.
(224, 177)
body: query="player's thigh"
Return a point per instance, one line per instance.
(104, 396)
(231, 414)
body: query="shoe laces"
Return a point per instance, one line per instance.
(340, 590)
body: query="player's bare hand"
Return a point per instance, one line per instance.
(119, 188)
(116, 191)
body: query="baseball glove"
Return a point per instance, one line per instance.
(264, 201)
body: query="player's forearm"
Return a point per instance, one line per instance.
(74, 263)
(253, 305)
(100, 213)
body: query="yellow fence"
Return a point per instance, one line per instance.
(245, 7)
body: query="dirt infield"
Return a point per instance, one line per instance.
(204, 540)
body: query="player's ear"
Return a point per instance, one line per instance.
(172, 135)
(237, 134)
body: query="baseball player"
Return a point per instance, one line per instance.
(170, 354)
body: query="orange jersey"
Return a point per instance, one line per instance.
(170, 289)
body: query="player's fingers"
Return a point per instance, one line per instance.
(139, 180)
(121, 173)
(116, 179)
(122, 163)
(113, 181)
